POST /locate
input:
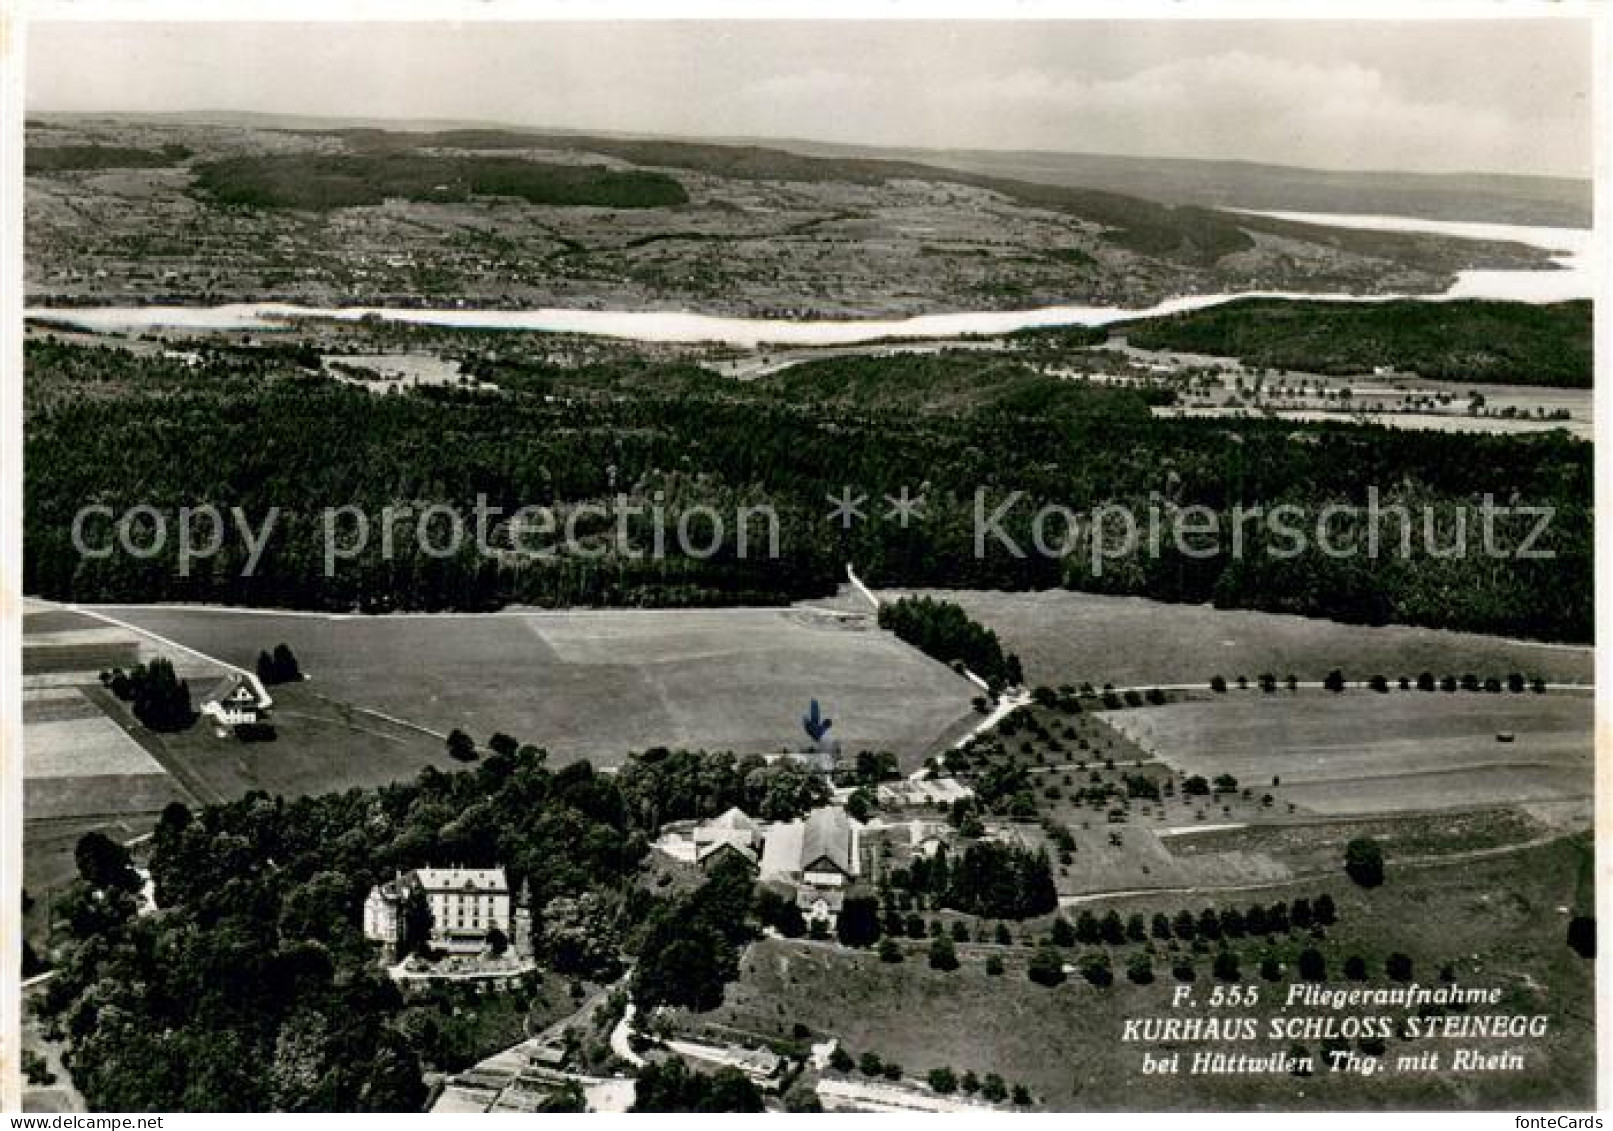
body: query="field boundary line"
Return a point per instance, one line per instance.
(382, 715)
(201, 791)
(252, 677)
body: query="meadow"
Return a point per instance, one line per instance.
(1498, 922)
(1064, 636)
(601, 684)
(1365, 752)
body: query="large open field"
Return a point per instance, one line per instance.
(1069, 637)
(1361, 752)
(603, 684)
(1499, 922)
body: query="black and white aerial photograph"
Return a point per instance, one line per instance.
(915, 564)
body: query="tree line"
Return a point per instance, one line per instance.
(943, 630)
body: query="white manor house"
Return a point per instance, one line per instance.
(466, 904)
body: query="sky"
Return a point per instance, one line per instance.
(1508, 96)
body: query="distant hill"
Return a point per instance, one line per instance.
(1549, 201)
(1181, 233)
(1501, 199)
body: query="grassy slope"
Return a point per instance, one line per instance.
(604, 684)
(1496, 919)
(1364, 752)
(1070, 637)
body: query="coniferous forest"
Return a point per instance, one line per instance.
(257, 428)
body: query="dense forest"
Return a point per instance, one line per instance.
(321, 181)
(254, 428)
(1515, 343)
(44, 159)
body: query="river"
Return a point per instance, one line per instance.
(1575, 278)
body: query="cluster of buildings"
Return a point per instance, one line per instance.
(818, 857)
(466, 905)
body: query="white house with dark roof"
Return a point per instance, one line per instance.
(237, 700)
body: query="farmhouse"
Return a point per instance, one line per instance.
(731, 834)
(466, 905)
(237, 700)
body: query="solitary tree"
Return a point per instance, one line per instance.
(1096, 969)
(1312, 965)
(286, 668)
(858, 922)
(104, 864)
(1582, 935)
(1363, 861)
(461, 747)
(1046, 967)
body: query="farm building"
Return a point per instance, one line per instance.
(820, 857)
(237, 700)
(922, 791)
(731, 834)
